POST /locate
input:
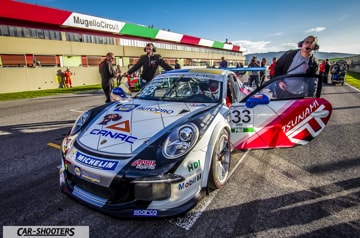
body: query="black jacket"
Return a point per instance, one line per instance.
(107, 71)
(284, 62)
(150, 65)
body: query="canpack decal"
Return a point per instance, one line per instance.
(95, 162)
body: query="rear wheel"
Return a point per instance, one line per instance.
(220, 161)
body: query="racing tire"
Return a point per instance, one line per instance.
(220, 161)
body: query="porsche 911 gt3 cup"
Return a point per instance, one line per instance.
(153, 155)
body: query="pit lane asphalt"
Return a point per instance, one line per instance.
(306, 191)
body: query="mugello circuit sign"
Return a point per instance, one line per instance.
(93, 23)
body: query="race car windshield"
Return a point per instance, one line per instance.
(183, 89)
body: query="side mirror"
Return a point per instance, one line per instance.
(257, 99)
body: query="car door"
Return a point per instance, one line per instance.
(262, 120)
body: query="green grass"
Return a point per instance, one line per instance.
(47, 92)
(353, 78)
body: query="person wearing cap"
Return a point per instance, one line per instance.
(67, 76)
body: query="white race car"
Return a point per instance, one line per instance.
(154, 154)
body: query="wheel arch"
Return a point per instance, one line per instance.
(209, 152)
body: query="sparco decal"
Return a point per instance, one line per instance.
(102, 24)
(95, 162)
(147, 213)
(114, 135)
(192, 181)
(300, 117)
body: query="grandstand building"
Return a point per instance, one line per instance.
(37, 43)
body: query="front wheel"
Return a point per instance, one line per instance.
(220, 161)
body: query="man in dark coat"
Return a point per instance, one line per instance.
(149, 63)
(108, 74)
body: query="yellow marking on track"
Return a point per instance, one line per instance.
(56, 146)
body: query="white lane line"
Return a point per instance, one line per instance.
(74, 110)
(193, 215)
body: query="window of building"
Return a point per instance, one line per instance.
(12, 60)
(46, 60)
(93, 60)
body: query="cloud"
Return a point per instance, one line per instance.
(343, 17)
(253, 46)
(316, 29)
(276, 34)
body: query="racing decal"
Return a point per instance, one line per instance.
(110, 117)
(155, 110)
(186, 184)
(144, 164)
(242, 119)
(193, 166)
(116, 135)
(308, 127)
(301, 116)
(86, 175)
(121, 126)
(145, 213)
(296, 123)
(95, 162)
(126, 107)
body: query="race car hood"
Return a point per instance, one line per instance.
(123, 127)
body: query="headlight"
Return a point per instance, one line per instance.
(180, 141)
(80, 121)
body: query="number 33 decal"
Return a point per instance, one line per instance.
(240, 115)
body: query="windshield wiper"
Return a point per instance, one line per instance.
(172, 87)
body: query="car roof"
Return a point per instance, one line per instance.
(198, 70)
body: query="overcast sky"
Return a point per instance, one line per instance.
(257, 26)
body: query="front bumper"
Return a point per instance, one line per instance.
(118, 202)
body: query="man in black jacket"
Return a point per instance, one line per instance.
(149, 63)
(108, 74)
(300, 61)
